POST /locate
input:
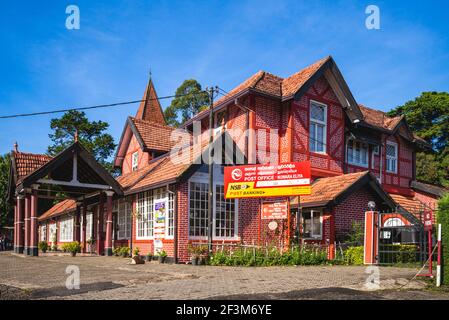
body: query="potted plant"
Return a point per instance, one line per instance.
(91, 242)
(73, 247)
(162, 256)
(193, 254)
(149, 257)
(136, 258)
(43, 246)
(124, 252)
(202, 254)
(116, 251)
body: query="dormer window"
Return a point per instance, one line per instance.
(317, 134)
(135, 161)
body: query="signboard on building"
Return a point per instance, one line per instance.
(427, 220)
(275, 210)
(160, 210)
(267, 180)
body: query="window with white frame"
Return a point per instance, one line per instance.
(43, 235)
(312, 224)
(135, 160)
(198, 209)
(144, 220)
(52, 232)
(357, 153)
(66, 229)
(123, 210)
(224, 214)
(391, 151)
(317, 130)
(89, 231)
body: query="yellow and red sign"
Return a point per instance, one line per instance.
(267, 180)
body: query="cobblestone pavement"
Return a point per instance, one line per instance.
(114, 278)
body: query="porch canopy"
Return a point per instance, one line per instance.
(72, 174)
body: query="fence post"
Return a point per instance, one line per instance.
(439, 257)
(371, 239)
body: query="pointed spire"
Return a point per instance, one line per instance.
(150, 109)
(16, 147)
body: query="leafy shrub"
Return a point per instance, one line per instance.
(116, 251)
(125, 252)
(443, 218)
(354, 255)
(43, 246)
(72, 247)
(136, 251)
(399, 253)
(269, 257)
(162, 253)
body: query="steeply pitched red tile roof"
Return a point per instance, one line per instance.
(129, 179)
(292, 84)
(325, 190)
(273, 85)
(411, 205)
(65, 206)
(155, 136)
(379, 118)
(164, 169)
(26, 163)
(150, 109)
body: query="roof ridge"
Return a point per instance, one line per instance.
(151, 122)
(145, 174)
(32, 154)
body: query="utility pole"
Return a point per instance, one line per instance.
(210, 201)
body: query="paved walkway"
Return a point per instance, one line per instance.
(115, 278)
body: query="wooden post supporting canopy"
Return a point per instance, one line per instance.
(108, 248)
(27, 223)
(33, 249)
(20, 222)
(84, 226)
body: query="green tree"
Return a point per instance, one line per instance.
(443, 218)
(428, 116)
(190, 99)
(6, 211)
(91, 134)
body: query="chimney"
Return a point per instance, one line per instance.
(16, 147)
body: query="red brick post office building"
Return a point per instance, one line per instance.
(357, 155)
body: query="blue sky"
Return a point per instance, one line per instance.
(44, 66)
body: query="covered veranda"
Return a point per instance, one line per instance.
(36, 182)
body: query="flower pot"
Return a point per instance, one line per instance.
(137, 260)
(194, 260)
(161, 259)
(148, 258)
(202, 261)
(73, 254)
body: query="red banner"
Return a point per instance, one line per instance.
(267, 180)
